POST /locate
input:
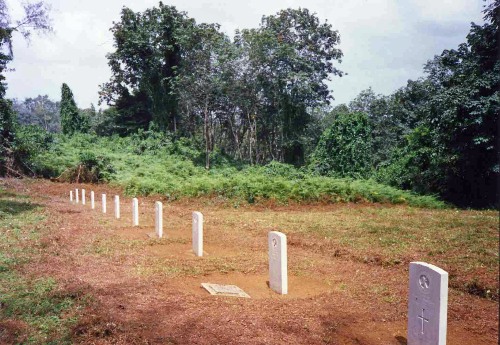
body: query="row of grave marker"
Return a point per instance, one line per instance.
(428, 284)
(197, 224)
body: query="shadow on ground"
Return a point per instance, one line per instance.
(13, 208)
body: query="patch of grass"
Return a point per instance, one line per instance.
(45, 312)
(465, 243)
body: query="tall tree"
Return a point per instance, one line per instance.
(35, 18)
(143, 66)
(71, 119)
(293, 53)
(40, 111)
(451, 116)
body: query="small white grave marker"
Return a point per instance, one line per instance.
(198, 233)
(117, 206)
(71, 196)
(135, 212)
(159, 219)
(76, 195)
(278, 274)
(92, 201)
(427, 304)
(83, 196)
(103, 196)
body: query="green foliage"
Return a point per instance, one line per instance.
(344, 149)
(153, 163)
(71, 119)
(40, 111)
(448, 123)
(148, 52)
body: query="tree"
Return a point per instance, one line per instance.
(344, 149)
(71, 119)
(450, 117)
(36, 18)
(144, 65)
(204, 80)
(40, 111)
(293, 55)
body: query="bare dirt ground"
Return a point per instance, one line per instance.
(147, 291)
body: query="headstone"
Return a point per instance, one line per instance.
(198, 233)
(159, 219)
(92, 201)
(224, 290)
(278, 275)
(135, 212)
(103, 196)
(76, 195)
(71, 196)
(427, 304)
(83, 196)
(117, 206)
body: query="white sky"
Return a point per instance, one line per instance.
(385, 42)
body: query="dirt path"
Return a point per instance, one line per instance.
(147, 291)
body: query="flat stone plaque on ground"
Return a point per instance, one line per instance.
(427, 304)
(224, 290)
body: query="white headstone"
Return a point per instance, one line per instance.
(198, 233)
(117, 206)
(135, 212)
(76, 195)
(278, 274)
(159, 219)
(427, 304)
(83, 196)
(103, 203)
(71, 196)
(92, 201)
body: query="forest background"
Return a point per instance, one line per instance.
(195, 112)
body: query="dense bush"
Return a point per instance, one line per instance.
(344, 149)
(144, 164)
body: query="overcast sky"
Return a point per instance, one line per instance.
(385, 42)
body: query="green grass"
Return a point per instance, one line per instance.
(152, 164)
(463, 242)
(45, 311)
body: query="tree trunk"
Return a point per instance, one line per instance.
(207, 139)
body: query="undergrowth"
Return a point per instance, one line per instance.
(151, 163)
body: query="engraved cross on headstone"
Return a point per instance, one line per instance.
(423, 320)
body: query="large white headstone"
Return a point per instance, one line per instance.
(278, 274)
(198, 233)
(83, 196)
(92, 201)
(103, 196)
(135, 212)
(76, 196)
(117, 206)
(71, 196)
(427, 304)
(159, 219)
